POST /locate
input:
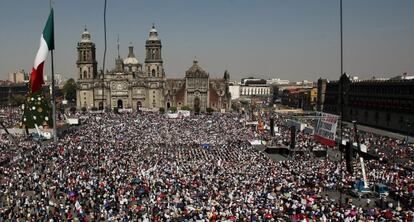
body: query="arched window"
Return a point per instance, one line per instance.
(153, 72)
(84, 74)
(84, 55)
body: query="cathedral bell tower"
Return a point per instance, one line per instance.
(153, 60)
(86, 63)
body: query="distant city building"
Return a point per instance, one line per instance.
(17, 77)
(277, 82)
(12, 93)
(234, 89)
(255, 90)
(386, 104)
(252, 81)
(132, 84)
(301, 98)
(254, 87)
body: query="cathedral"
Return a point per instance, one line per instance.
(133, 85)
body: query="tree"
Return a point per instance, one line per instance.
(116, 110)
(209, 110)
(173, 109)
(162, 110)
(185, 108)
(72, 109)
(69, 90)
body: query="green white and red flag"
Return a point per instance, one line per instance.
(47, 43)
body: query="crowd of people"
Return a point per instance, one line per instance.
(147, 167)
(10, 116)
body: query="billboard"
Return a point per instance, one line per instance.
(325, 131)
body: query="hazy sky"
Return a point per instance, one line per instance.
(288, 39)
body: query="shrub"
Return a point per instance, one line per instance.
(185, 108)
(209, 110)
(72, 109)
(173, 109)
(162, 110)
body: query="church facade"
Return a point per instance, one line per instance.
(134, 85)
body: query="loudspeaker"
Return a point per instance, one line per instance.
(348, 158)
(292, 137)
(272, 127)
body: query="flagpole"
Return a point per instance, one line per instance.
(55, 136)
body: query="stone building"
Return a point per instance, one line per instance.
(386, 104)
(134, 85)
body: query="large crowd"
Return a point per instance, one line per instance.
(147, 167)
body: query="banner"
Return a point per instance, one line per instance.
(325, 131)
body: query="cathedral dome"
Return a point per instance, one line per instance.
(131, 59)
(196, 71)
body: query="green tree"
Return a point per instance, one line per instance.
(162, 110)
(173, 109)
(185, 108)
(72, 109)
(209, 110)
(69, 90)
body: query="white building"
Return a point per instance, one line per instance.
(277, 82)
(255, 90)
(234, 91)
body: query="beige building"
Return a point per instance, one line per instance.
(132, 84)
(17, 77)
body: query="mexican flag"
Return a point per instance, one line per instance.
(47, 43)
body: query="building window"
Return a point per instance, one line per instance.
(84, 74)
(153, 72)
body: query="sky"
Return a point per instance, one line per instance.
(287, 39)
